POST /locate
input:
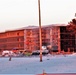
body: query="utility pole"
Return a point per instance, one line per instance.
(75, 34)
(40, 37)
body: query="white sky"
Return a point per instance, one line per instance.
(20, 13)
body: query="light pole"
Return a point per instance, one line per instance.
(75, 34)
(40, 31)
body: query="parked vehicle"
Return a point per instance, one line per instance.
(6, 53)
(37, 52)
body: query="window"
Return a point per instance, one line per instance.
(17, 33)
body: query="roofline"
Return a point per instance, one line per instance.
(34, 27)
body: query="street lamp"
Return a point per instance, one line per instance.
(75, 34)
(40, 31)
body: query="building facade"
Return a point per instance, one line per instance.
(67, 39)
(10, 40)
(56, 37)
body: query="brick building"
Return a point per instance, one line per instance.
(55, 36)
(13, 39)
(67, 40)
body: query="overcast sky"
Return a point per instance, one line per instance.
(20, 13)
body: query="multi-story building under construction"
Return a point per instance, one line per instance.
(55, 37)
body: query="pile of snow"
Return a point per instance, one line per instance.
(73, 54)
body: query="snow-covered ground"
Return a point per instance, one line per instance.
(32, 65)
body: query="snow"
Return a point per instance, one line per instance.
(32, 65)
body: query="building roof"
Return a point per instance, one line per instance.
(34, 27)
(55, 25)
(23, 28)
